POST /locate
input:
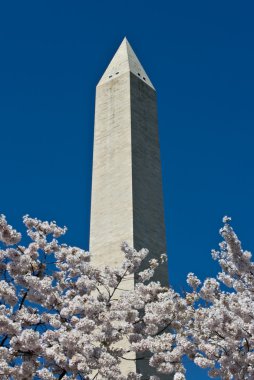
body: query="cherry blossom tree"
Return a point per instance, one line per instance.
(213, 325)
(62, 318)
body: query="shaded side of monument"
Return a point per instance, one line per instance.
(127, 198)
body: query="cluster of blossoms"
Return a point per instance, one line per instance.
(62, 318)
(213, 325)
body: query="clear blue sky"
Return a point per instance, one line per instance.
(200, 57)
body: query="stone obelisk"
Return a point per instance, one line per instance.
(127, 201)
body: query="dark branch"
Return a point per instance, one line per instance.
(3, 340)
(119, 282)
(23, 300)
(164, 328)
(62, 375)
(135, 359)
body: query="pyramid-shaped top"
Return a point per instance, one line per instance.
(124, 60)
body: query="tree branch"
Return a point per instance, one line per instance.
(119, 282)
(62, 374)
(23, 300)
(3, 340)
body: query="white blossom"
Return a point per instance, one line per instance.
(179, 376)
(60, 317)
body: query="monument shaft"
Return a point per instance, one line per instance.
(127, 201)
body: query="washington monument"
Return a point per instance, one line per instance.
(127, 200)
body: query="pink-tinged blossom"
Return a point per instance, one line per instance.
(193, 281)
(179, 376)
(8, 235)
